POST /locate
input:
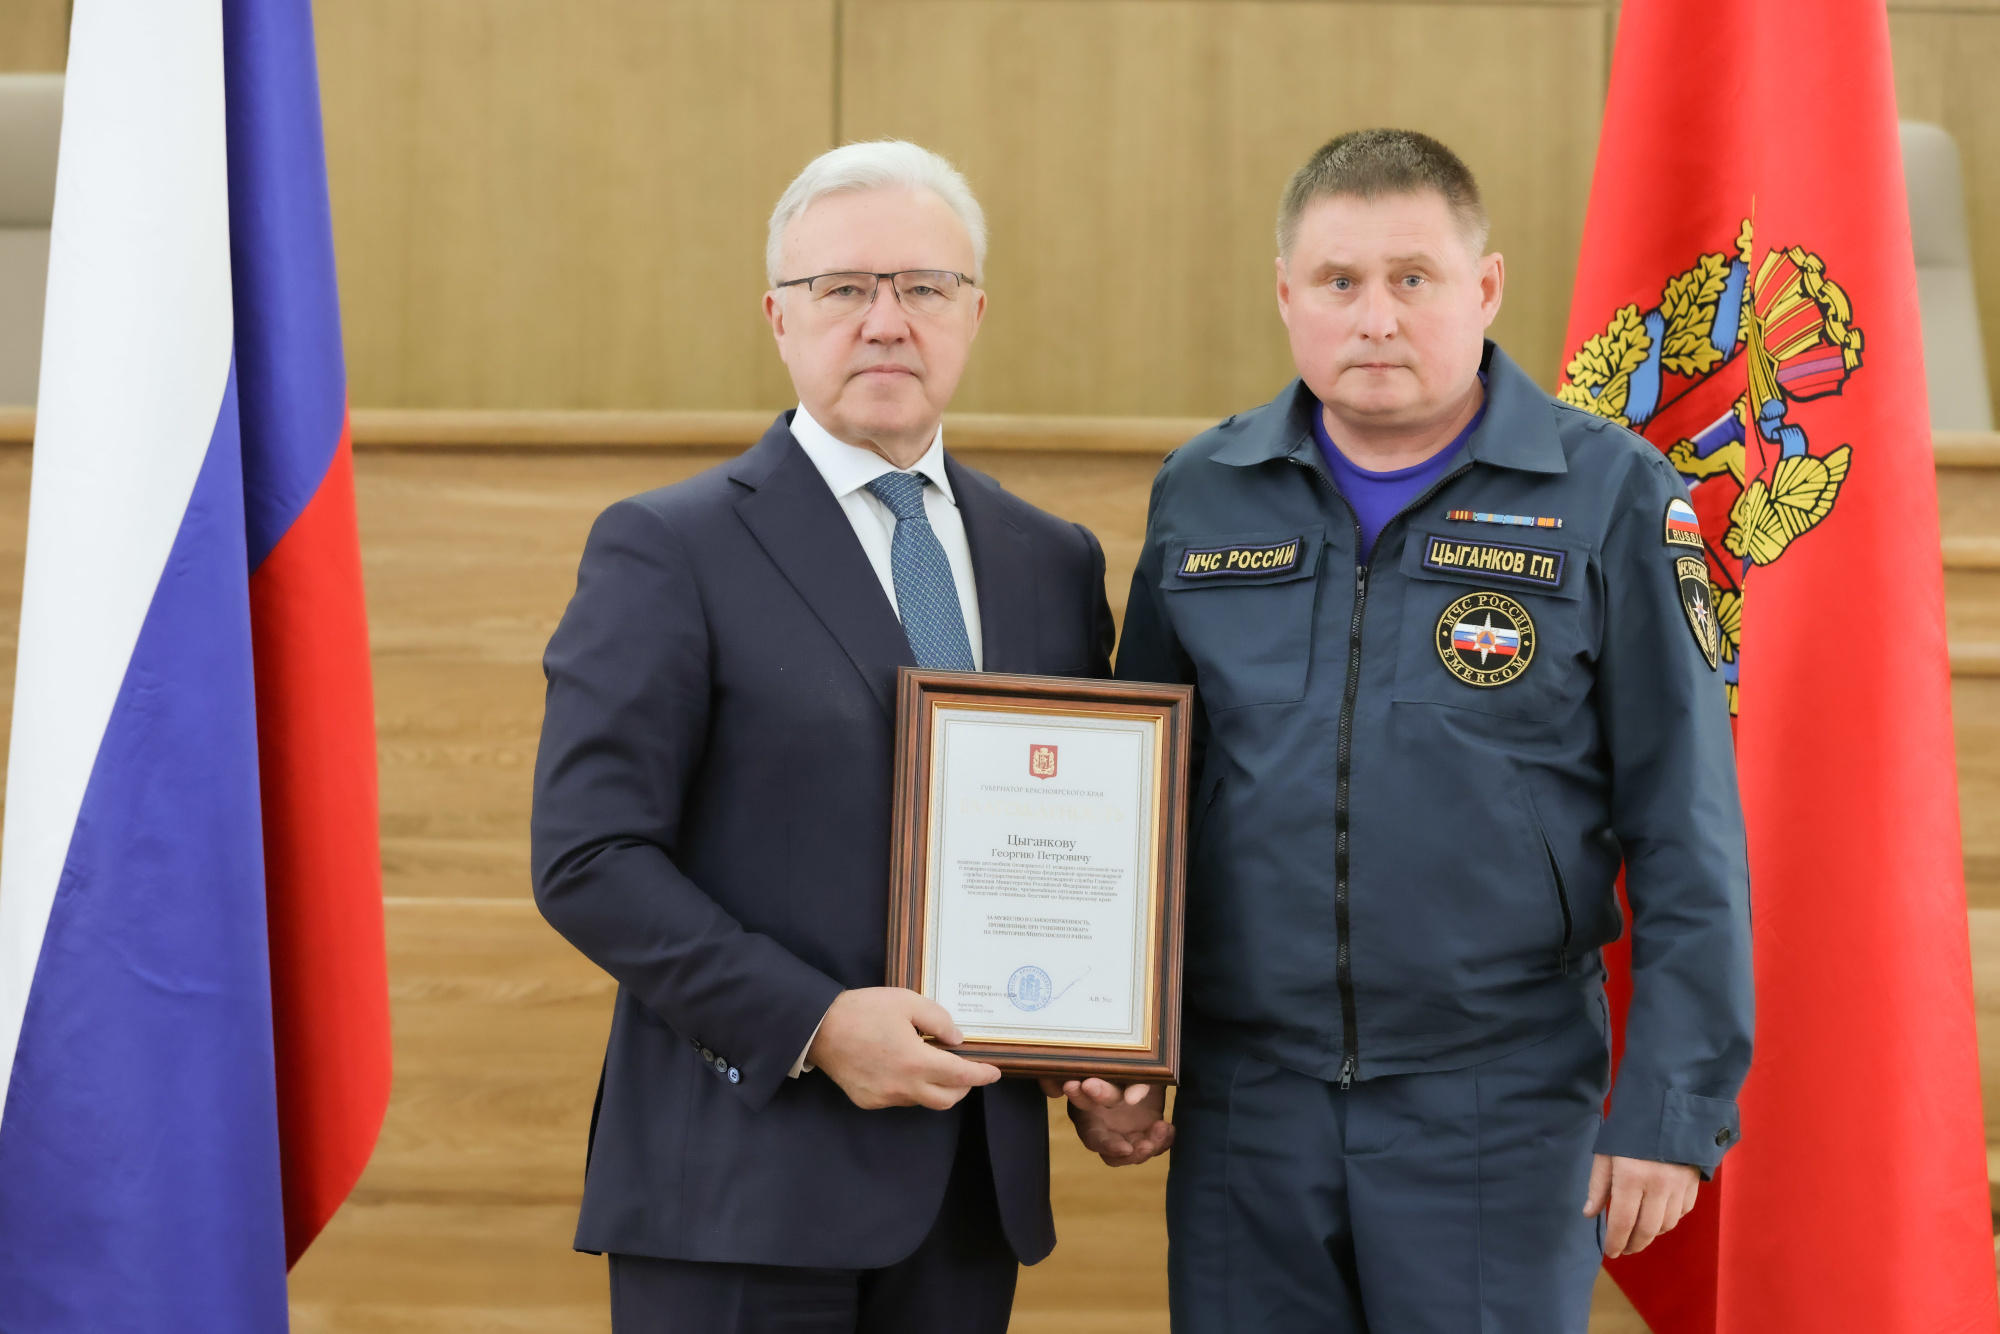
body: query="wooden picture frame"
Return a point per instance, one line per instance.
(1020, 872)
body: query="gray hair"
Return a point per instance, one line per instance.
(879, 164)
(1371, 163)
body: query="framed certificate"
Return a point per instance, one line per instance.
(1037, 867)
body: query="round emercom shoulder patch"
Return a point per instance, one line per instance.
(1486, 639)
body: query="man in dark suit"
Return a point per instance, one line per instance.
(776, 1144)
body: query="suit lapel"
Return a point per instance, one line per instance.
(1003, 571)
(795, 518)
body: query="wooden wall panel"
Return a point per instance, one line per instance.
(1969, 518)
(1130, 153)
(470, 560)
(552, 203)
(542, 203)
(34, 35)
(1946, 55)
(464, 1217)
(14, 469)
(561, 203)
(462, 1222)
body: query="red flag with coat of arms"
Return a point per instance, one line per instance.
(1747, 301)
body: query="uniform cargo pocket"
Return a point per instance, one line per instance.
(1241, 605)
(1562, 902)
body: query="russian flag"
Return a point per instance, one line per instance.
(194, 1041)
(1683, 522)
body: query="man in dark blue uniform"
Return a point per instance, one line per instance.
(1456, 667)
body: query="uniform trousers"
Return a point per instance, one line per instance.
(960, 1278)
(1436, 1203)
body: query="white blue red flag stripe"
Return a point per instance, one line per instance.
(1682, 519)
(1484, 639)
(193, 1012)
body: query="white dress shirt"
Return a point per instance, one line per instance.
(847, 470)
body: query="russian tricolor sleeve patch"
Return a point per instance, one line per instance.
(1683, 527)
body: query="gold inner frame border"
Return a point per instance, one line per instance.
(1154, 890)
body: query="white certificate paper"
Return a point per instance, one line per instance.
(1040, 866)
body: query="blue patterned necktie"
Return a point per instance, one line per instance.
(926, 597)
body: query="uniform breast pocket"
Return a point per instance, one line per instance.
(1241, 604)
(1495, 625)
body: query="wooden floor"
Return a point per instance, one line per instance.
(462, 1222)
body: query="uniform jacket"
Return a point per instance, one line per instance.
(1400, 867)
(711, 827)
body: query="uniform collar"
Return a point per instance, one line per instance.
(847, 468)
(1518, 431)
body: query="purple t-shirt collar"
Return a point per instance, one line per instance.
(1377, 497)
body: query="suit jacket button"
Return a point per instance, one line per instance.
(735, 1076)
(1722, 1135)
(708, 1056)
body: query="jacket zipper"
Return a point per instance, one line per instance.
(1343, 971)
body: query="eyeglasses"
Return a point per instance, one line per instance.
(921, 291)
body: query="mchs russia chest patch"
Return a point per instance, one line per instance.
(1538, 566)
(1486, 639)
(1260, 562)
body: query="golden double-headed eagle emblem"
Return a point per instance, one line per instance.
(1711, 375)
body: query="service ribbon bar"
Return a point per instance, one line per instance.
(1512, 520)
